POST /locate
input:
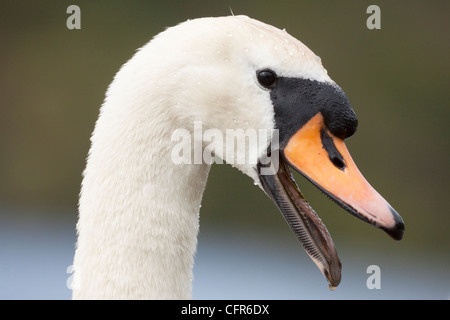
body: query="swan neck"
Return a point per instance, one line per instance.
(138, 211)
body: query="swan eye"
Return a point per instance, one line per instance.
(267, 78)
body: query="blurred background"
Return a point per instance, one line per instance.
(52, 83)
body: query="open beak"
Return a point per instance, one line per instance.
(325, 161)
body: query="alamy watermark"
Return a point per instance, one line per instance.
(70, 282)
(74, 20)
(235, 146)
(374, 20)
(374, 280)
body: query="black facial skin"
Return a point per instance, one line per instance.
(297, 100)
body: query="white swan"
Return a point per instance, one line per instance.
(138, 210)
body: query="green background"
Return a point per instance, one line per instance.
(53, 82)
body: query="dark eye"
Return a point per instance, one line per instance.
(266, 78)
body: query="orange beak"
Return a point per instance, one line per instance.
(324, 159)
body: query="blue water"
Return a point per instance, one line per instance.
(231, 263)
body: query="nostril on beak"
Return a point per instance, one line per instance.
(333, 153)
(338, 163)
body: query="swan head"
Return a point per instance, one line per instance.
(236, 74)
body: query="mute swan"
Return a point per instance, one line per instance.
(139, 211)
